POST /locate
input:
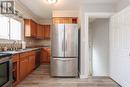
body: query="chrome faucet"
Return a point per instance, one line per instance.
(14, 47)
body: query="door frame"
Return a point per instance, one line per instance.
(84, 47)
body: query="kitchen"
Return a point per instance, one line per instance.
(44, 43)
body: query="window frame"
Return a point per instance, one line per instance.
(10, 38)
(9, 28)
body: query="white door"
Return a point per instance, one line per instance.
(120, 48)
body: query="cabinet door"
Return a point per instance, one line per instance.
(27, 30)
(23, 68)
(31, 62)
(48, 50)
(40, 31)
(46, 31)
(33, 28)
(44, 56)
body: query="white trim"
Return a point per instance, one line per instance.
(83, 76)
(84, 26)
(100, 14)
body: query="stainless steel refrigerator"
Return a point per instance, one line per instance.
(64, 60)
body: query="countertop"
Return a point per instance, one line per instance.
(22, 50)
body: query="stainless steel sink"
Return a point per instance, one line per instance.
(21, 49)
(15, 51)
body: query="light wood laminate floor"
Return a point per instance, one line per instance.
(41, 78)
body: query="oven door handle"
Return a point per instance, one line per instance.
(2, 60)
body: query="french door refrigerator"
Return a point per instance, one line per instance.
(64, 60)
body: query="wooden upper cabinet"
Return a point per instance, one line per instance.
(34, 28)
(43, 32)
(47, 31)
(40, 31)
(30, 28)
(65, 20)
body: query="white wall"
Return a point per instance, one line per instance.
(45, 21)
(100, 54)
(25, 11)
(97, 7)
(84, 52)
(65, 13)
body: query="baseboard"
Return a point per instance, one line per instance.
(83, 76)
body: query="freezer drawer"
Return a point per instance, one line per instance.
(64, 67)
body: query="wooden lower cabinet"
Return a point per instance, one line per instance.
(27, 64)
(45, 55)
(31, 63)
(23, 65)
(23, 68)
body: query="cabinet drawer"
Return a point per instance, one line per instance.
(64, 67)
(31, 53)
(15, 58)
(24, 54)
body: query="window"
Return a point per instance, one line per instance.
(15, 29)
(10, 28)
(4, 27)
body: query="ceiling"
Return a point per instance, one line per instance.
(43, 10)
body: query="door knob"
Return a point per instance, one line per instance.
(129, 54)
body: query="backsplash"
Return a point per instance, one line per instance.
(35, 42)
(12, 44)
(46, 43)
(30, 42)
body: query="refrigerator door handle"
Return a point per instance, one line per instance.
(65, 45)
(62, 45)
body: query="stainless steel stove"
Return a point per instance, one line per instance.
(2, 55)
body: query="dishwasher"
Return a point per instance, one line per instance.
(37, 59)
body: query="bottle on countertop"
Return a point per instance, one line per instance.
(23, 45)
